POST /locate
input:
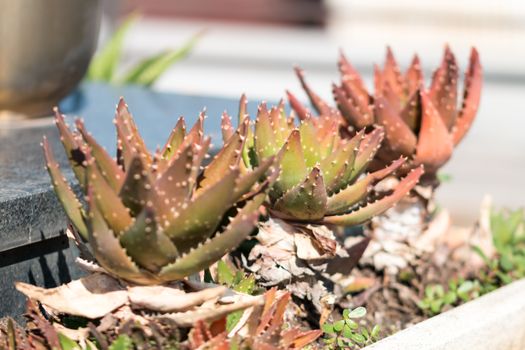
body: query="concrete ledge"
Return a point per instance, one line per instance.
(494, 321)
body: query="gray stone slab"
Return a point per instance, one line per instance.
(48, 262)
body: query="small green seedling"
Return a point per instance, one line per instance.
(437, 299)
(349, 333)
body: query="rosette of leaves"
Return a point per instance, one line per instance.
(322, 182)
(155, 218)
(323, 177)
(423, 124)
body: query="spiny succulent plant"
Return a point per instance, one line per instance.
(154, 218)
(422, 124)
(323, 177)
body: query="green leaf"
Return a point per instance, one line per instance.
(347, 331)
(123, 342)
(104, 64)
(338, 326)
(375, 332)
(329, 340)
(247, 285)
(435, 306)
(365, 333)
(450, 298)
(346, 312)
(232, 319)
(352, 324)
(224, 273)
(465, 287)
(148, 71)
(358, 338)
(444, 177)
(357, 312)
(506, 263)
(67, 343)
(328, 328)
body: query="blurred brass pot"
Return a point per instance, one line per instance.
(45, 49)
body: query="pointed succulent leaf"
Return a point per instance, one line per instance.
(249, 179)
(214, 248)
(265, 143)
(393, 99)
(352, 78)
(305, 201)
(292, 164)
(69, 200)
(297, 106)
(146, 244)
(137, 189)
(197, 218)
(280, 123)
(411, 113)
(243, 109)
(310, 143)
(337, 167)
(349, 108)
(174, 140)
(173, 186)
(435, 144)
(378, 80)
(392, 74)
(471, 97)
(319, 104)
(444, 89)
(344, 200)
(73, 148)
(127, 131)
(367, 150)
(110, 205)
(108, 167)
(359, 98)
(227, 158)
(378, 207)
(227, 129)
(195, 135)
(398, 135)
(414, 76)
(107, 249)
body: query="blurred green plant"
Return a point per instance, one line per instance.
(507, 265)
(508, 237)
(104, 66)
(348, 332)
(437, 299)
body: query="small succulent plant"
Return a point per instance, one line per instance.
(347, 333)
(154, 218)
(422, 124)
(437, 299)
(323, 177)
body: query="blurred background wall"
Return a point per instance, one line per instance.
(250, 46)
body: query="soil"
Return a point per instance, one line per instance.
(392, 302)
